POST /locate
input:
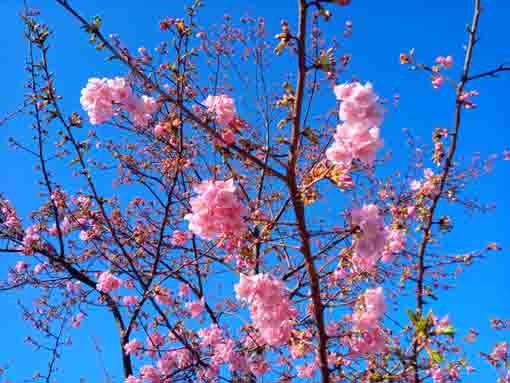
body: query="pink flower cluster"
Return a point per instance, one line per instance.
(9, 217)
(100, 95)
(358, 136)
(370, 242)
(445, 62)
(108, 282)
(395, 243)
(270, 308)
(179, 238)
(223, 350)
(429, 184)
(222, 108)
(31, 239)
(216, 211)
(368, 338)
(196, 307)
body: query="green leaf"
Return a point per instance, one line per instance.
(436, 357)
(448, 330)
(412, 316)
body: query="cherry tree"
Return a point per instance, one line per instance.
(200, 214)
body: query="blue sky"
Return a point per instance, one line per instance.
(382, 30)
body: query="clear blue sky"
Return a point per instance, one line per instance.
(382, 29)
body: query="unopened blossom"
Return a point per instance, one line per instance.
(216, 211)
(108, 282)
(222, 107)
(76, 320)
(270, 309)
(437, 81)
(465, 99)
(446, 62)
(369, 242)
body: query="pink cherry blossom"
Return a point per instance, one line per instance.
(372, 310)
(107, 282)
(96, 99)
(210, 336)
(179, 238)
(130, 300)
(216, 211)
(270, 309)
(10, 217)
(222, 108)
(163, 296)
(395, 240)
(31, 239)
(306, 370)
(196, 308)
(370, 241)
(132, 379)
(141, 110)
(121, 92)
(150, 374)
(358, 136)
(133, 347)
(354, 140)
(359, 103)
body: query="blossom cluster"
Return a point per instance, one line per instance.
(108, 282)
(270, 308)
(371, 239)
(368, 337)
(223, 110)
(357, 137)
(100, 96)
(216, 211)
(9, 218)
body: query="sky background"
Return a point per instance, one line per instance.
(382, 29)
